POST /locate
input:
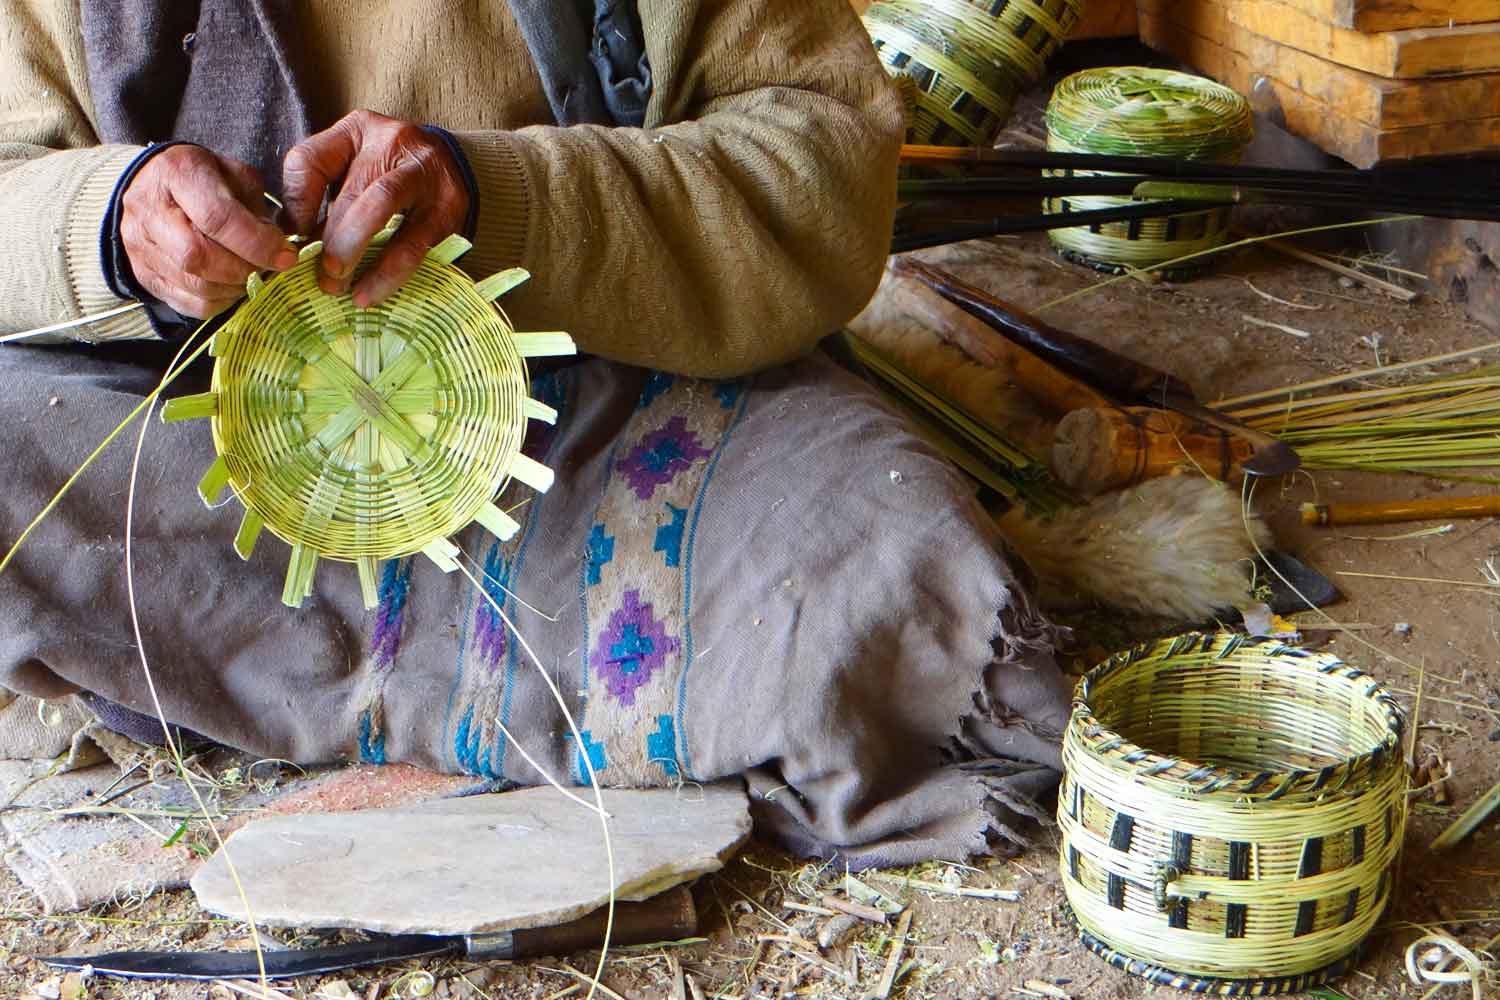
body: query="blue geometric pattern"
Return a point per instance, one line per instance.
(661, 746)
(371, 751)
(658, 383)
(669, 536)
(728, 393)
(597, 758)
(466, 746)
(601, 551)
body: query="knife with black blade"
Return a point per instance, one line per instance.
(670, 916)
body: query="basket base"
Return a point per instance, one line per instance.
(1157, 975)
(1181, 273)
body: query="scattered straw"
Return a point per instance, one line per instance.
(1281, 327)
(1247, 241)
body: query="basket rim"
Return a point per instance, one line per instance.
(1099, 740)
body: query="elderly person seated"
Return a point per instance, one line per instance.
(748, 566)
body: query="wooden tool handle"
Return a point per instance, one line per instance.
(1114, 374)
(1096, 450)
(978, 341)
(670, 916)
(1399, 511)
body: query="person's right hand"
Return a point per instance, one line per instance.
(191, 225)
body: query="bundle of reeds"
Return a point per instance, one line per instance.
(1140, 187)
(983, 452)
(1446, 426)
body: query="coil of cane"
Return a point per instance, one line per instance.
(1231, 811)
(1137, 111)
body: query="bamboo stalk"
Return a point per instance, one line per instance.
(1379, 284)
(1469, 821)
(1399, 511)
(907, 242)
(1365, 373)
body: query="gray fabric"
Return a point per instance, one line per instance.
(593, 66)
(772, 578)
(213, 72)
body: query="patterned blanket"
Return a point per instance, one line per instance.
(770, 577)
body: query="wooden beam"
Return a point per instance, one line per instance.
(1393, 15)
(1374, 100)
(1332, 128)
(1413, 52)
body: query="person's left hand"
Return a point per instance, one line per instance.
(380, 167)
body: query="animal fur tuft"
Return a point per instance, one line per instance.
(1173, 547)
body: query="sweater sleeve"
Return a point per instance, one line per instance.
(56, 180)
(749, 219)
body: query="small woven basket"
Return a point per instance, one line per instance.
(1137, 111)
(1230, 813)
(360, 435)
(967, 60)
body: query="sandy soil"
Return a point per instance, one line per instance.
(962, 947)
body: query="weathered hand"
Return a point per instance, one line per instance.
(191, 227)
(380, 167)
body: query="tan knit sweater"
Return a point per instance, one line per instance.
(748, 219)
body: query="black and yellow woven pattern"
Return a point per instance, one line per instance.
(967, 59)
(1231, 811)
(1141, 111)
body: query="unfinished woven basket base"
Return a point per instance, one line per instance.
(360, 435)
(1230, 812)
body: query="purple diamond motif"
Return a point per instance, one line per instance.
(632, 647)
(658, 459)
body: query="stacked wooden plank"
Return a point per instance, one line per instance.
(1367, 80)
(1110, 19)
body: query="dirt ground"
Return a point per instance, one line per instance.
(973, 947)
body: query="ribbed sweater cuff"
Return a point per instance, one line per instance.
(87, 207)
(503, 232)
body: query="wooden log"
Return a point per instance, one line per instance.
(1105, 449)
(1041, 381)
(1413, 52)
(1360, 143)
(1371, 16)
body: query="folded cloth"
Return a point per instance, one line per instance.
(771, 577)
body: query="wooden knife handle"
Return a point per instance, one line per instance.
(1096, 450)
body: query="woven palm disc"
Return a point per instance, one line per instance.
(361, 435)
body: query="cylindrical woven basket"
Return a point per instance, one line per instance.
(1137, 111)
(1230, 813)
(968, 60)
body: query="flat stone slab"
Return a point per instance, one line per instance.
(521, 859)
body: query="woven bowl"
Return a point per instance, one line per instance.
(361, 435)
(968, 60)
(1230, 813)
(1138, 111)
